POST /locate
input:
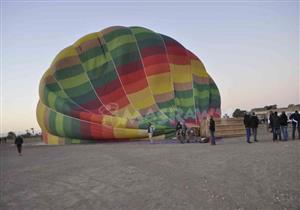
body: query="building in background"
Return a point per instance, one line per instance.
(263, 112)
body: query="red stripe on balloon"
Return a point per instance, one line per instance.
(133, 77)
(150, 60)
(108, 88)
(155, 50)
(136, 86)
(100, 132)
(157, 69)
(117, 94)
(129, 68)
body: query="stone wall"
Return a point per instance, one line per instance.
(225, 127)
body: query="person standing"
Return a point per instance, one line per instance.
(184, 128)
(283, 120)
(18, 142)
(276, 127)
(271, 121)
(212, 129)
(254, 125)
(295, 117)
(178, 128)
(247, 123)
(150, 132)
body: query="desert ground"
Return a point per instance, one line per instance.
(165, 175)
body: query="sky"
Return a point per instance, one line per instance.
(250, 48)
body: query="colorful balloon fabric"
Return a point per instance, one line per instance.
(109, 85)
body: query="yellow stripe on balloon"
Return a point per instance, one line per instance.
(160, 83)
(142, 99)
(114, 121)
(127, 112)
(180, 73)
(40, 114)
(198, 69)
(67, 52)
(85, 39)
(130, 133)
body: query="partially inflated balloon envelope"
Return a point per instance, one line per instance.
(109, 85)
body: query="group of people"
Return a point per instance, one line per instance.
(185, 134)
(182, 132)
(3, 140)
(251, 124)
(277, 123)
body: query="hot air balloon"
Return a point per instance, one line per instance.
(109, 85)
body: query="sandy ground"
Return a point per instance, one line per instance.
(231, 175)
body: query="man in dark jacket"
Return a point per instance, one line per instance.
(247, 123)
(295, 117)
(254, 125)
(283, 120)
(276, 127)
(212, 129)
(18, 142)
(271, 121)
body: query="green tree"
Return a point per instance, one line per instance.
(11, 135)
(238, 113)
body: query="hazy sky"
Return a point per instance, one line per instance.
(250, 48)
